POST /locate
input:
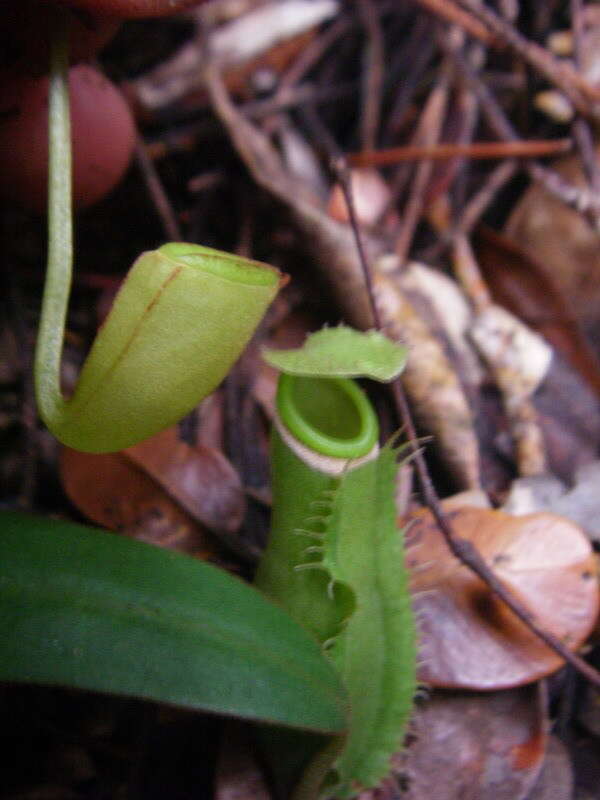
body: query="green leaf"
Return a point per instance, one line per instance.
(89, 609)
(344, 353)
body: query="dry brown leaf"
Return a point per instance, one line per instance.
(564, 243)
(525, 286)
(431, 382)
(519, 360)
(469, 638)
(111, 491)
(580, 502)
(199, 478)
(569, 416)
(475, 747)
(448, 313)
(555, 781)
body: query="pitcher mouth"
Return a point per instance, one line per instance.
(224, 265)
(331, 416)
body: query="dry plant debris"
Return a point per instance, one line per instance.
(433, 101)
(469, 639)
(488, 746)
(161, 490)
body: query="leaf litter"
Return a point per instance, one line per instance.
(185, 495)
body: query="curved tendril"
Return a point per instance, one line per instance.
(60, 231)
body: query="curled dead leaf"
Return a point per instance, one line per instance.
(469, 638)
(563, 242)
(432, 384)
(480, 747)
(112, 492)
(555, 781)
(526, 286)
(199, 478)
(162, 490)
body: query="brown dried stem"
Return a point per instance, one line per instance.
(157, 193)
(373, 73)
(475, 207)
(430, 127)
(450, 12)
(525, 148)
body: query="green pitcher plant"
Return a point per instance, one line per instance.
(180, 320)
(335, 558)
(325, 639)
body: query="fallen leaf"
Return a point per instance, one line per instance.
(580, 503)
(475, 747)
(526, 287)
(564, 242)
(589, 711)
(468, 637)
(111, 491)
(569, 416)
(439, 400)
(199, 478)
(555, 781)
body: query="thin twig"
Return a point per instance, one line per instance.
(581, 93)
(156, 190)
(480, 201)
(448, 11)
(312, 53)
(430, 124)
(463, 549)
(340, 166)
(575, 197)
(509, 9)
(408, 69)
(466, 269)
(420, 53)
(373, 73)
(526, 148)
(474, 208)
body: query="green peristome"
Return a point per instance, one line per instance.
(335, 562)
(180, 320)
(344, 353)
(333, 416)
(89, 609)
